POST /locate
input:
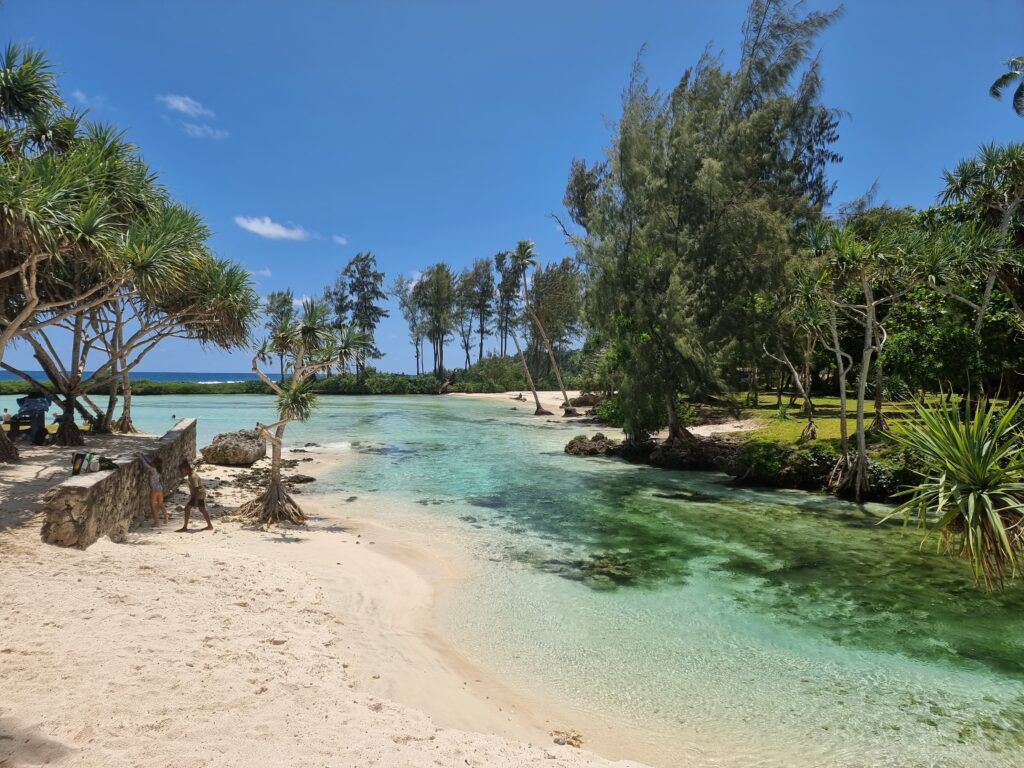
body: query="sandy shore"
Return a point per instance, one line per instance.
(241, 647)
(552, 401)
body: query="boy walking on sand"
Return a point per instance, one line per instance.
(196, 495)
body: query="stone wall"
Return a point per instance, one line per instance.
(109, 502)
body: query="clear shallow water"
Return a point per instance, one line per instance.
(753, 625)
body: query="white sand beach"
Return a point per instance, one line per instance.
(551, 400)
(241, 647)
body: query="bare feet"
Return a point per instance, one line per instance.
(181, 530)
(209, 527)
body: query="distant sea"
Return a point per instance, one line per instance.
(201, 377)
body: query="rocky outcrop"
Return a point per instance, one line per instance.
(598, 445)
(749, 461)
(236, 449)
(107, 503)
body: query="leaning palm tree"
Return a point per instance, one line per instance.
(522, 258)
(501, 263)
(971, 495)
(1014, 74)
(313, 346)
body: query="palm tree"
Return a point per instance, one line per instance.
(1014, 74)
(522, 258)
(501, 263)
(971, 495)
(313, 345)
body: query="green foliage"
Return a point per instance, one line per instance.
(493, 373)
(971, 494)
(694, 210)
(930, 342)
(1013, 76)
(609, 410)
(763, 458)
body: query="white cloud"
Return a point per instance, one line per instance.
(82, 99)
(265, 272)
(264, 226)
(300, 301)
(340, 239)
(204, 131)
(186, 105)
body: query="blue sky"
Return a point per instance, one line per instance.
(443, 130)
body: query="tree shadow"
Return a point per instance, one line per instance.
(25, 746)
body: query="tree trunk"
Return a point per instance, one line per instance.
(753, 396)
(8, 450)
(844, 437)
(858, 476)
(676, 431)
(529, 379)
(274, 505)
(68, 432)
(810, 430)
(879, 422)
(567, 409)
(125, 424)
(108, 415)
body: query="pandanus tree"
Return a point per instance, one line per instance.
(29, 218)
(971, 493)
(68, 220)
(313, 347)
(801, 315)
(875, 267)
(174, 288)
(992, 185)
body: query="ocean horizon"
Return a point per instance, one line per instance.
(197, 377)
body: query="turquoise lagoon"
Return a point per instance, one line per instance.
(738, 627)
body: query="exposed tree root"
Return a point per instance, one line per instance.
(274, 506)
(125, 425)
(541, 412)
(879, 423)
(68, 433)
(568, 410)
(810, 432)
(837, 477)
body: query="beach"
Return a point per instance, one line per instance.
(466, 593)
(286, 647)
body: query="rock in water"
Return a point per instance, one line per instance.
(236, 449)
(598, 445)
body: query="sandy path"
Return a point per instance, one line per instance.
(240, 648)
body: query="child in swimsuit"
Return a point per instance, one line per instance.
(156, 488)
(196, 495)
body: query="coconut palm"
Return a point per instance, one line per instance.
(521, 259)
(502, 264)
(1014, 74)
(313, 346)
(971, 496)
